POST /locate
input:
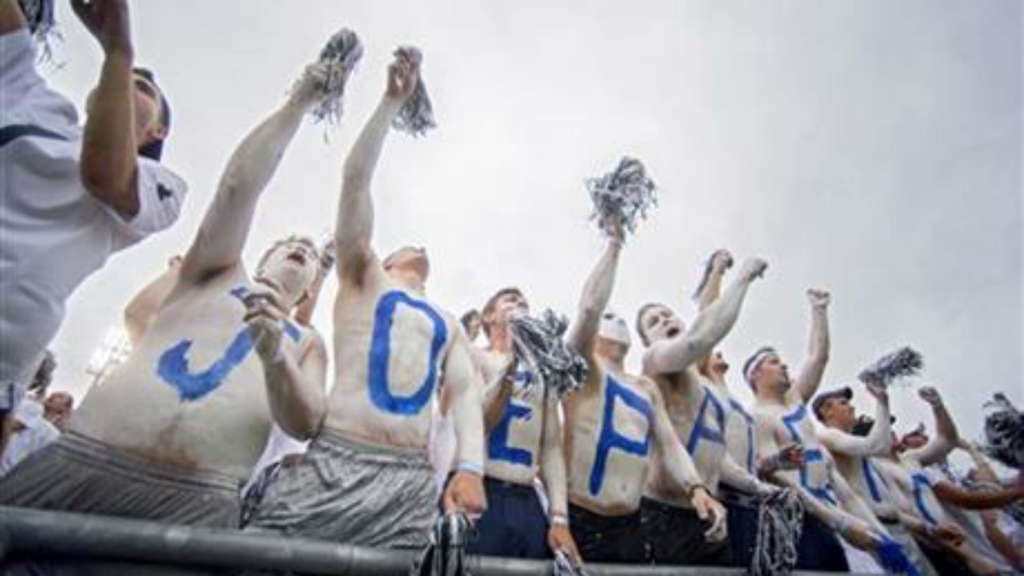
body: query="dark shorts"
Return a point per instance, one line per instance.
(819, 548)
(514, 524)
(675, 535)
(613, 539)
(946, 563)
(742, 533)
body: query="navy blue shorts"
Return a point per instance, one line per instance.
(514, 524)
(612, 539)
(819, 548)
(742, 533)
(675, 535)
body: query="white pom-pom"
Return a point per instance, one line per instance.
(623, 195)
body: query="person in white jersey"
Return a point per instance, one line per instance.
(72, 196)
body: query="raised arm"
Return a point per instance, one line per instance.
(809, 379)
(877, 443)
(460, 391)
(977, 499)
(218, 244)
(109, 158)
(711, 287)
(946, 435)
(11, 18)
(354, 229)
(594, 300)
(711, 325)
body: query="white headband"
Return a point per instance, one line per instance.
(753, 362)
(614, 328)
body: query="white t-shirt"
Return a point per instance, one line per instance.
(53, 233)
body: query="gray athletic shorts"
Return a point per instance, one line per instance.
(348, 492)
(79, 474)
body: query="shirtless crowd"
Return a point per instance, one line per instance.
(667, 466)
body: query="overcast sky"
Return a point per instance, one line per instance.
(871, 148)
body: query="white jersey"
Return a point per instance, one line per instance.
(55, 234)
(192, 393)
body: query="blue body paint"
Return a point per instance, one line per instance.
(497, 441)
(748, 420)
(701, 431)
(173, 367)
(921, 482)
(610, 438)
(810, 455)
(380, 355)
(870, 475)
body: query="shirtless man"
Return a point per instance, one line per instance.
(171, 433)
(614, 424)
(740, 488)
(781, 416)
(678, 532)
(524, 443)
(855, 458)
(921, 492)
(366, 478)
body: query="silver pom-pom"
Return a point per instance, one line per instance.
(339, 56)
(445, 554)
(41, 23)
(623, 195)
(538, 342)
(564, 565)
(892, 367)
(1004, 431)
(417, 114)
(780, 523)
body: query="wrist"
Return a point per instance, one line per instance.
(471, 468)
(119, 51)
(559, 519)
(691, 490)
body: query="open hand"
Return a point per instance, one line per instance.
(560, 538)
(711, 510)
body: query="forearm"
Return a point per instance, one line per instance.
(304, 313)
(596, 293)
(879, 440)
(945, 427)
(734, 475)
(977, 500)
(297, 403)
(11, 17)
(469, 428)
(354, 226)
(711, 289)
(552, 468)
(109, 150)
(495, 398)
(225, 228)
(1001, 541)
(712, 324)
(818, 353)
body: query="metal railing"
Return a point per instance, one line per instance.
(28, 533)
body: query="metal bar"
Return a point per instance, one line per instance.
(26, 532)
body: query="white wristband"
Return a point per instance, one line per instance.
(559, 520)
(471, 467)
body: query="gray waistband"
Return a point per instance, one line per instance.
(333, 442)
(97, 455)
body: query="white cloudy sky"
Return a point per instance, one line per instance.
(872, 148)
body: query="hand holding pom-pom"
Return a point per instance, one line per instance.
(403, 74)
